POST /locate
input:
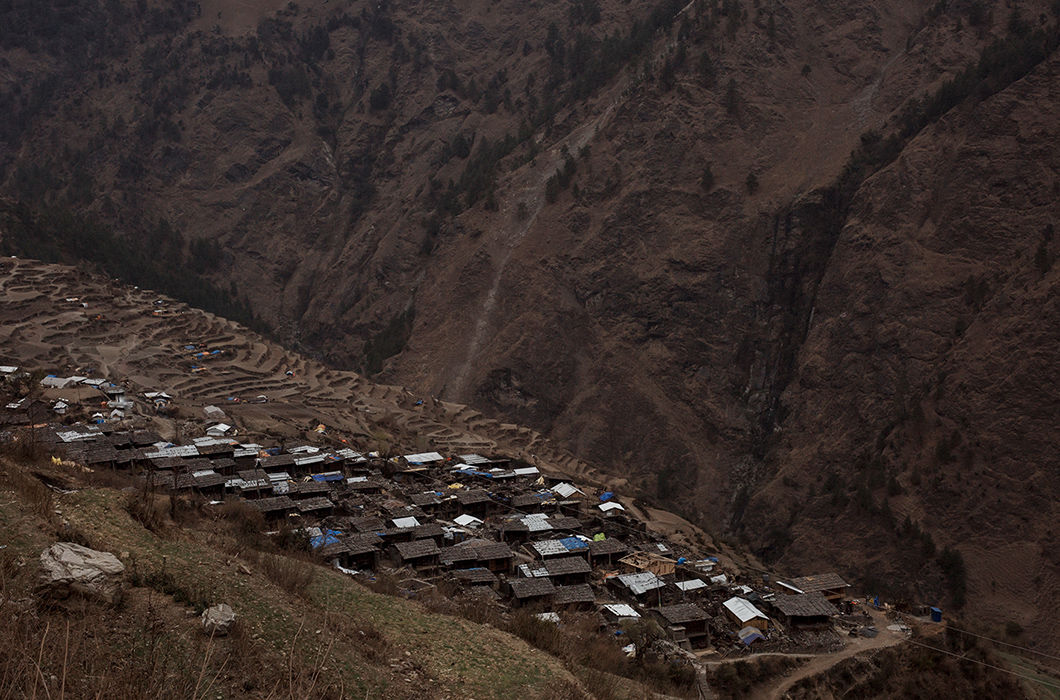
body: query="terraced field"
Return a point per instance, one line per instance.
(66, 321)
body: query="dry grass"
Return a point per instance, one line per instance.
(148, 509)
(33, 492)
(291, 574)
(330, 639)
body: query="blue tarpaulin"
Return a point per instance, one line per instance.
(329, 537)
(472, 472)
(327, 477)
(607, 496)
(573, 543)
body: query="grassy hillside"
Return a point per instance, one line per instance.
(303, 630)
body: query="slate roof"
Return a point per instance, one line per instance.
(567, 565)
(368, 524)
(356, 545)
(366, 485)
(531, 587)
(477, 551)
(425, 499)
(820, 582)
(166, 462)
(609, 546)
(568, 595)
(805, 605)
(475, 575)
(316, 503)
(418, 549)
(277, 461)
(310, 487)
(209, 480)
(334, 549)
(680, 614)
(267, 505)
(428, 530)
(472, 496)
(524, 500)
(565, 522)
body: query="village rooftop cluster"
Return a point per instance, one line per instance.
(495, 527)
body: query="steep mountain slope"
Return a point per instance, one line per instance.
(645, 242)
(928, 373)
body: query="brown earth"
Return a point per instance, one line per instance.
(800, 377)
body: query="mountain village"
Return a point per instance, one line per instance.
(498, 529)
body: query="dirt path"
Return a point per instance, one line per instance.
(821, 663)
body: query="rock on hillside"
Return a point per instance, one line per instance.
(70, 569)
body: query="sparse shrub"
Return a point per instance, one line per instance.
(952, 564)
(706, 180)
(380, 97)
(752, 183)
(290, 574)
(146, 510)
(246, 520)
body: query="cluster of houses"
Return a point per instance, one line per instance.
(97, 399)
(488, 525)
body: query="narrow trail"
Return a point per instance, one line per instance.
(823, 662)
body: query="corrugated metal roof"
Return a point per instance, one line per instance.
(537, 524)
(423, 457)
(621, 610)
(566, 490)
(693, 585)
(467, 520)
(641, 583)
(743, 609)
(548, 548)
(533, 571)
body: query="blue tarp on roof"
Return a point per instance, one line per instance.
(607, 495)
(573, 543)
(327, 477)
(472, 472)
(329, 537)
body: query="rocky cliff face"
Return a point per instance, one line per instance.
(639, 229)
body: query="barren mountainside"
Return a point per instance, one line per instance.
(786, 266)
